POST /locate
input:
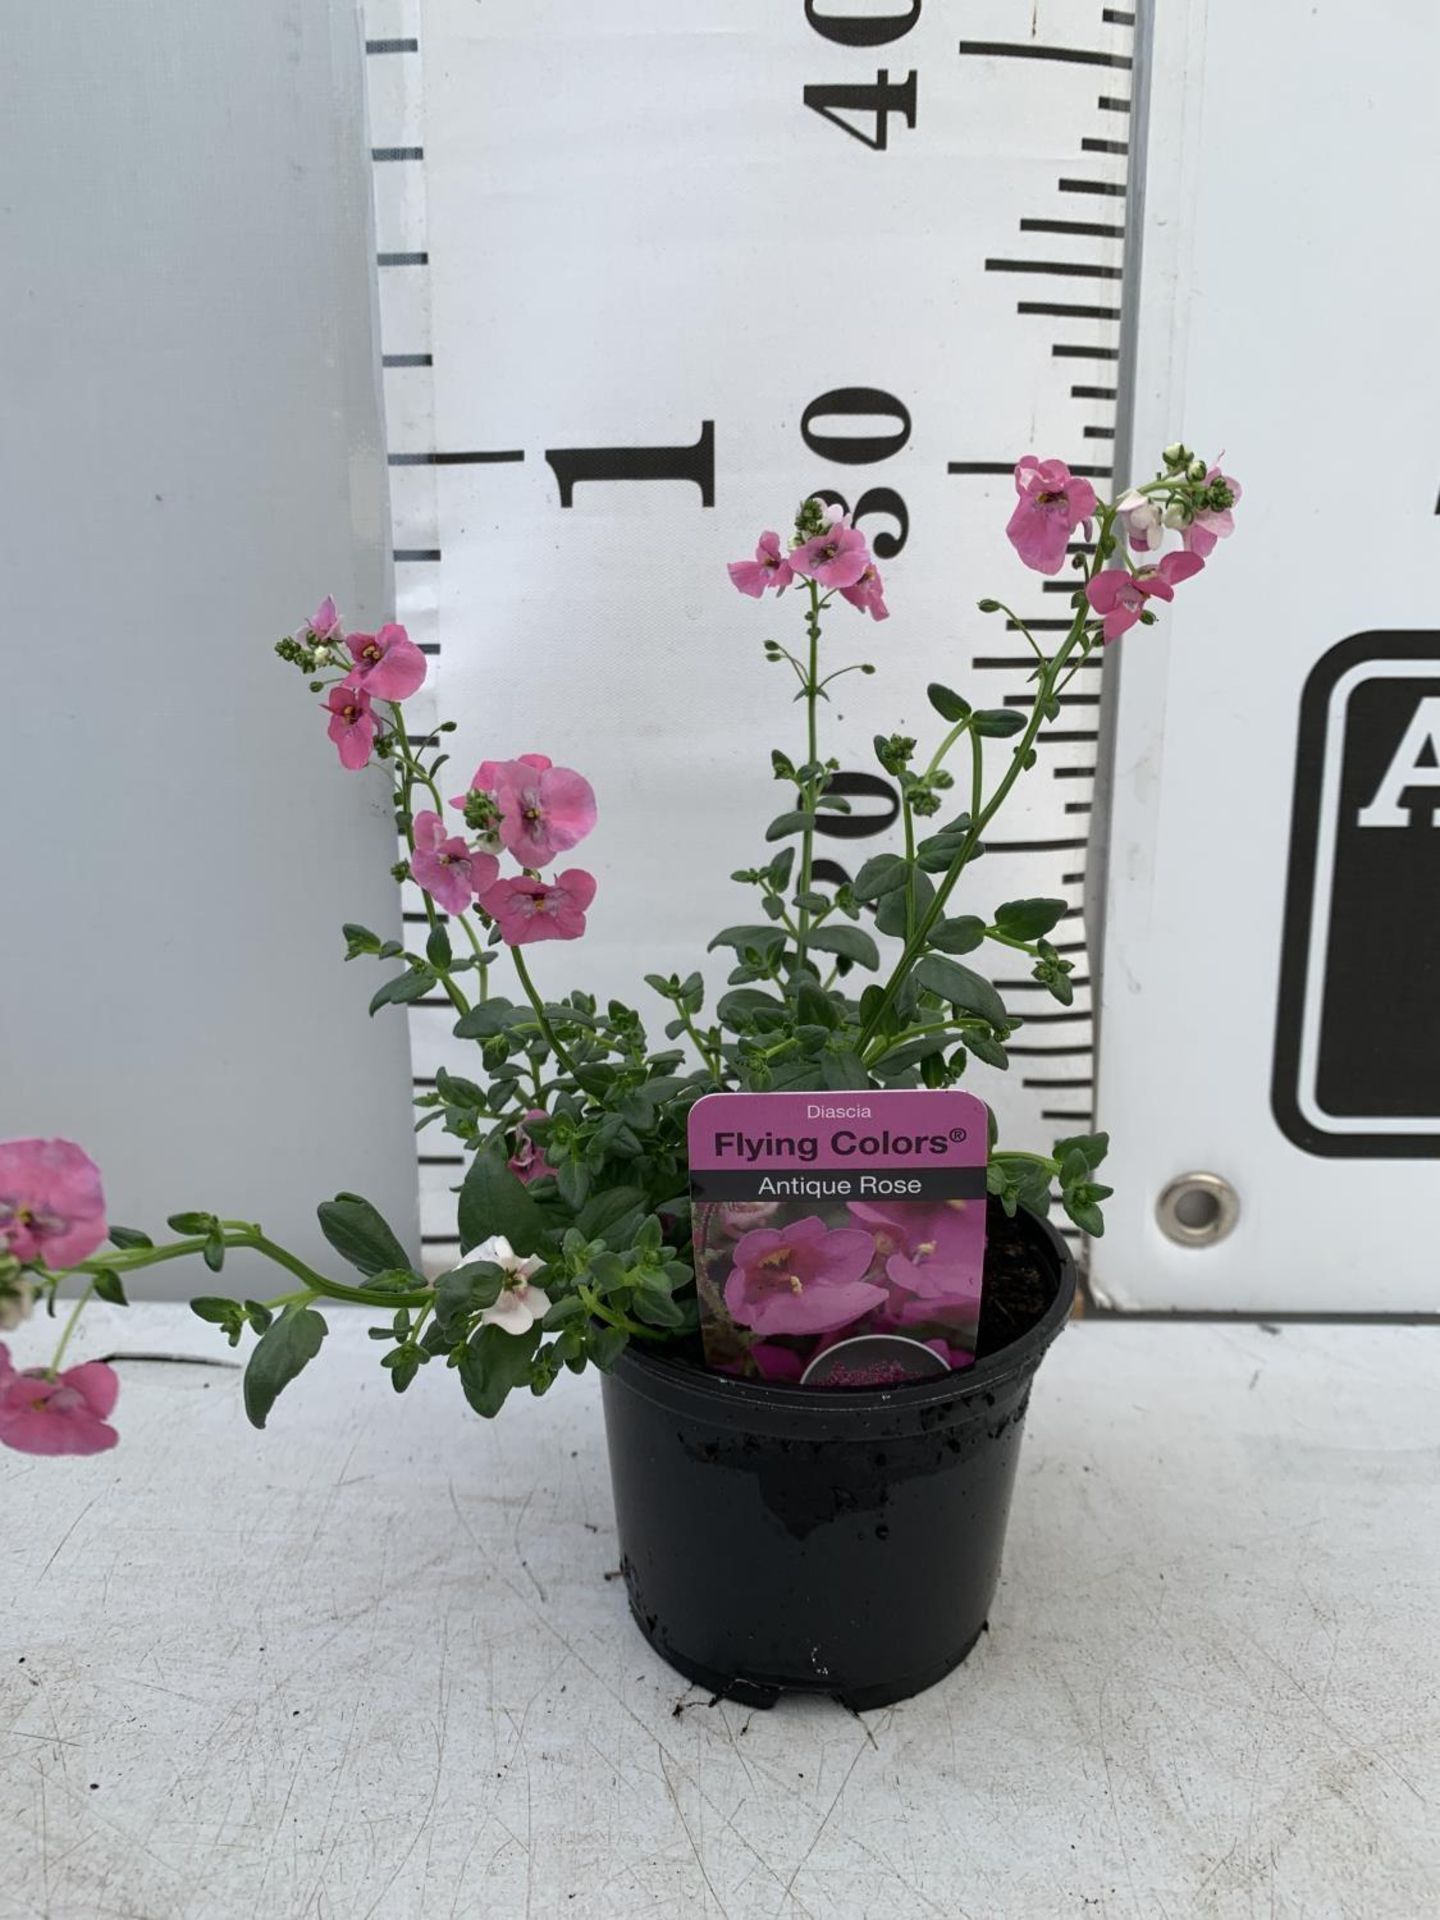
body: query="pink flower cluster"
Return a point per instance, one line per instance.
(52, 1214)
(533, 810)
(1054, 502)
(837, 559)
(386, 666)
(901, 1269)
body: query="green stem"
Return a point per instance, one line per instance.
(980, 816)
(614, 1318)
(241, 1235)
(412, 775)
(811, 785)
(540, 1014)
(52, 1371)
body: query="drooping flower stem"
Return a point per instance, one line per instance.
(240, 1234)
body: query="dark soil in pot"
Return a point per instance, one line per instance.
(843, 1541)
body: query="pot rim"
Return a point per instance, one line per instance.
(660, 1377)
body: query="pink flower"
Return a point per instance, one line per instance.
(868, 593)
(801, 1278)
(324, 624)
(352, 725)
(52, 1207)
(931, 1253)
(1052, 504)
(526, 910)
(1120, 595)
(1212, 524)
(543, 810)
(835, 558)
(64, 1415)
(527, 1160)
(450, 870)
(388, 664)
(769, 568)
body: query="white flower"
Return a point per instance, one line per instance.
(520, 1305)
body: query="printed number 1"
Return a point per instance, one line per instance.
(884, 97)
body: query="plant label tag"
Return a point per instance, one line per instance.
(839, 1237)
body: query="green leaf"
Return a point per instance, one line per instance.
(596, 1218)
(997, 723)
(191, 1223)
(493, 1363)
(213, 1252)
(260, 1317)
(948, 704)
(881, 874)
(464, 1291)
(129, 1237)
(787, 823)
(437, 947)
(985, 1047)
(405, 987)
(850, 943)
(890, 914)
(359, 1235)
(493, 1200)
(961, 988)
(1093, 1146)
(456, 1091)
(1029, 919)
(604, 1345)
(816, 1007)
(738, 1009)
(282, 1351)
(217, 1311)
(960, 935)
(107, 1286)
(765, 939)
(359, 940)
(489, 1018)
(909, 1053)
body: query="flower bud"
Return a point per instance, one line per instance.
(988, 606)
(1198, 469)
(1177, 454)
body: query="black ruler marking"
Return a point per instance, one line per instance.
(407, 359)
(1074, 269)
(473, 459)
(415, 554)
(397, 153)
(1027, 50)
(392, 46)
(402, 259)
(1097, 229)
(1068, 309)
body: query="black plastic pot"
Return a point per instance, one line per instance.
(799, 1539)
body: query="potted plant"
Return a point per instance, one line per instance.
(773, 1535)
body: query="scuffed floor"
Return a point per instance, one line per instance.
(371, 1663)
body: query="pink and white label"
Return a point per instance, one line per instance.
(828, 1218)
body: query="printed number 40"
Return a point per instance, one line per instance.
(880, 99)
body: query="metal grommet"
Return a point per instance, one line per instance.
(1197, 1210)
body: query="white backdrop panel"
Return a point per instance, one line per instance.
(1286, 307)
(634, 233)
